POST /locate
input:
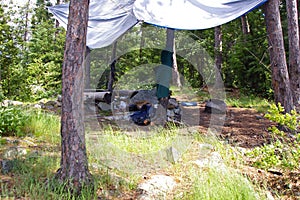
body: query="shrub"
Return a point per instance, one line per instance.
(12, 120)
(284, 152)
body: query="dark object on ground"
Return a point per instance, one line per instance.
(215, 106)
(142, 116)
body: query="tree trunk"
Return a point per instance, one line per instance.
(218, 56)
(112, 74)
(142, 44)
(56, 21)
(280, 76)
(294, 49)
(74, 170)
(25, 37)
(87, 79)
(170, 46)
(245, 25)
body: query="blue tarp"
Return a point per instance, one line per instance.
(109, 19)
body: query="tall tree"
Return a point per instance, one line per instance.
(280, 76)
(74, 164)
(8, 54)
(170, 45)
(218, 55)
(294, 50)
(112, 73)
(245, 25)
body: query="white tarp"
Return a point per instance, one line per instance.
(109, 19)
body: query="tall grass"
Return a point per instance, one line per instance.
(44, 125)
(211, 184)
(33, 178)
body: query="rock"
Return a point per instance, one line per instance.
(37, 106)
(269, 196)
(6, 166)
(58, 104)
(215, 106)
(11, 103)
(59, 98)
(104, 106)
(205, 150)
(212, 160)
(242, 150)
(173, 103)
(172, 155)
(157, 187)
(14, 152)
(144, 95)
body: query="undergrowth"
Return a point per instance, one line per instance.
(284, 150)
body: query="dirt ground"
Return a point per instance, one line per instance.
(242, 127)
(247, 128)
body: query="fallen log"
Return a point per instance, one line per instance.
(98, 96)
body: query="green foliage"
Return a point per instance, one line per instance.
(246, 61)
(32, 53)
(277, 114)
(284, 152)
(12, 120)
(276, 155)
(8, 54)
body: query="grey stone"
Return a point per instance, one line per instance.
(157, 187)
(144, 95)
(205, 150)
(172, 155)
(104, 106)
(269, 196)
(37, 106)
(11, 103)
(59, 98)
(215, 106)
(14, 152)
(6, 166)
(212, 160)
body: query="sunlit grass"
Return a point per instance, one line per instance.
(43, 125)
(211, 184)
(261, 105)
(111, 151)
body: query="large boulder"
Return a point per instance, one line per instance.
(215, 106)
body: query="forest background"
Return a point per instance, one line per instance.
(32, 47)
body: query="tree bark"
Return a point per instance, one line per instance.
(245, 25)
(112, 73)
(87, 79)
(56, 21)
(74, 170)
(170, 46)
(280, 76)
(294, 50)
(218, 56)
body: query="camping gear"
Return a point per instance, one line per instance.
(108, 19)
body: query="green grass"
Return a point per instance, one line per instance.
(33, 179)
(43, 125)
(261, 105)
(118, 159)
(211, 184)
